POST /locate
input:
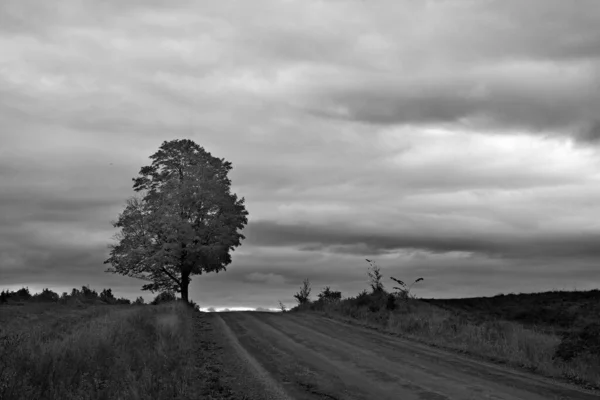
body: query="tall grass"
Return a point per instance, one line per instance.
(134, 352)
(500, 341)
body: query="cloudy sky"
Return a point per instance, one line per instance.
(454, 140)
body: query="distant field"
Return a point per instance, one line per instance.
(559, 311)
(53, 351)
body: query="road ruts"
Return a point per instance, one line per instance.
(304, 356)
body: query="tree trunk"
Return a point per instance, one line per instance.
(185, 284)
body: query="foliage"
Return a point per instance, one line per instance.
(107, 296)
(391, 302)
(164, 297)
(20, 295)
(194, 305)
(403, 291)
(303, 296)
(123, 300)
(46, 295)
(185, 223)
(76, 297)
(575, 343)
(375, 277)
(139, 301)
(374, 301)
(328, 295)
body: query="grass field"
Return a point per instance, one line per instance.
(53, 351)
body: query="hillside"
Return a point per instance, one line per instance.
(560, 311)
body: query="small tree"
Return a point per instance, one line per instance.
(303, 296)
(88, 293)
(282, 306)
(23, 294)
(329, 296)
(185, 223)
(375, 277)
(107, 296)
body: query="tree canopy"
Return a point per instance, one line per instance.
(184, 221)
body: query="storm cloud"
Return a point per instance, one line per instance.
(451, 139)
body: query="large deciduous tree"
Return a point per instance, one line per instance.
(185, 220)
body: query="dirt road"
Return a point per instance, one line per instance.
(304, 356)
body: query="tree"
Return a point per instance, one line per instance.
(375, 277)
(184, 222)
(46, 295)
(107, 296)
(303, 296)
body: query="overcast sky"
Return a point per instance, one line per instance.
(456, 141)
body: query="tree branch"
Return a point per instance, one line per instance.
(171, 275)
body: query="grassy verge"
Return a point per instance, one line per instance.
(130, 352)
(500, 341)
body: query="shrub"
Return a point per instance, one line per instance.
(46, 295)
(329, 296)
(303, 296)
(194, 305)
(164, 297)
(123, 300)
(575, 343)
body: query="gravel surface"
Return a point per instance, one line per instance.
(253, 355)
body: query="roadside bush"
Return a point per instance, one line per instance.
(583, 341)
(46, 295)
(163, 297)
(193, 304)
(374, 302)
(329, 296)
(123, 300)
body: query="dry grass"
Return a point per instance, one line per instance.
(96, 352)
(500, 341)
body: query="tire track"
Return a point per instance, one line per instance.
(310, 357)
(272, 388)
